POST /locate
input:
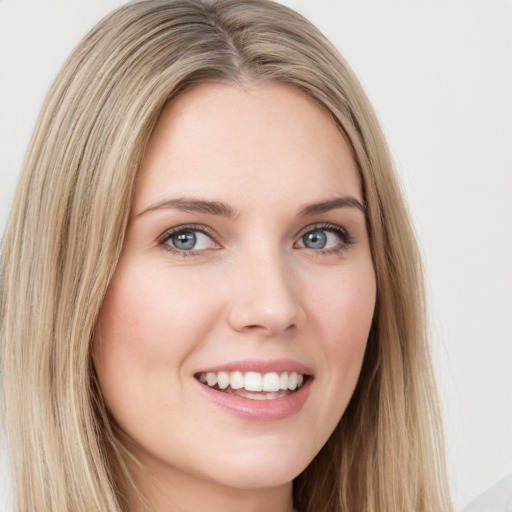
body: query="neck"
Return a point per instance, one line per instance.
(182, 492)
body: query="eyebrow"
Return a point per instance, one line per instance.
(332, 204)
(224, 210)
(192, 205)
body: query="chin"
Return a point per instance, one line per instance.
(257, 478)
(262, 470)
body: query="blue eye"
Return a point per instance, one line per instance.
(184, 241)
(188, 239)
(325, 238)
(315, 240)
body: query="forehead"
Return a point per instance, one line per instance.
(261, 141)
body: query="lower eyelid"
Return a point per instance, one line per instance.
(201, 230)
(344, 237)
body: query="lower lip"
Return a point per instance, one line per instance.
(259, 410)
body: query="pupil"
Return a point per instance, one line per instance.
(184, 241)
(315, 240)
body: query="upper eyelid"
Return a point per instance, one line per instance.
(319, 226)
(187, 227)
(166, 236)
(217, 239)
(209, 231)
(345, 237)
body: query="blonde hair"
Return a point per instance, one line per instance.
(66, 232)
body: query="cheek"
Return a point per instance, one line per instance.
(152, 314)
(345, 300)
(147, 327)
(343, 310)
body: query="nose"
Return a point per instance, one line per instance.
(265, 298)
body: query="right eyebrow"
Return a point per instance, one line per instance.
(191, 205)
(332, 204)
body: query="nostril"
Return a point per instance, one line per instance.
(267, 329)
(266, 311)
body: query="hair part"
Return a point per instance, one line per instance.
(66, 231)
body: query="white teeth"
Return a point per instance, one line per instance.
(223, 380)
(211, 379)
(271, 382)
(237, 380)
(292, 381)
(256, 396)
(283, 381)
(254, 382)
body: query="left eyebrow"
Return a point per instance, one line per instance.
(192, 205)
(332, 204)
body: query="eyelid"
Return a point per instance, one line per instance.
(167, 234)
(327, 226)
(346, 239)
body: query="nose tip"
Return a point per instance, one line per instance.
(269, 306)
(258, 318)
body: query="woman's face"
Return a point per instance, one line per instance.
(246, 264)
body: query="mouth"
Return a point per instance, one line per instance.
(254, 385)
(257, 390)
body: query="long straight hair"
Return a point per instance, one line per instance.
(66, 231)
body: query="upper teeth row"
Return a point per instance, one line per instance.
(253, 381)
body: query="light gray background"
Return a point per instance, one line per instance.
(439, 73)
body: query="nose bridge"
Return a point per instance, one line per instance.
(265, 298)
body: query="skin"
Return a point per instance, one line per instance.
(253, 290)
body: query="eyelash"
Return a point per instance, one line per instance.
(162, 241)
(346, 239)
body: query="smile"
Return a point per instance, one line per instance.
(257, 390)
(254, 385)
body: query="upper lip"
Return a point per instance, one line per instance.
(260, 366)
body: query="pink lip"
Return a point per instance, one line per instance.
(261, 366)
(260, 410)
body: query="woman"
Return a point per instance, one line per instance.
(209, 282)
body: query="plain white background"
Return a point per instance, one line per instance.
(439, 73)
